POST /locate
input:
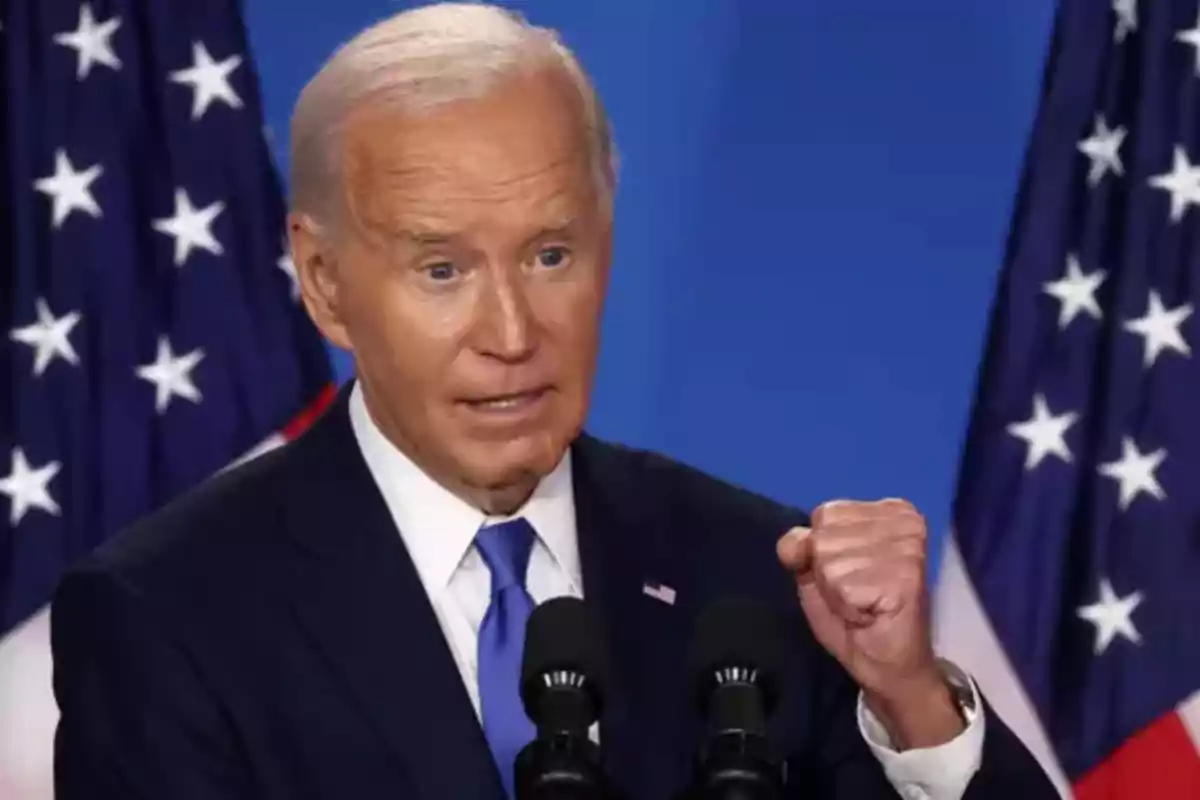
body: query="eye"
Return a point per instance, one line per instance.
(553, 257)
(440, 271)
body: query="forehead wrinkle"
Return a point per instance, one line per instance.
(459, 182)
(385, 195)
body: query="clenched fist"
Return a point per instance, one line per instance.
(860, 577)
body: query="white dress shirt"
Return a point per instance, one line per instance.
(438, 529)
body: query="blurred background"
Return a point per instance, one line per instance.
(837, 225)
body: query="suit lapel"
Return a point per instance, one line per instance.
(625, 544)
(359, 596)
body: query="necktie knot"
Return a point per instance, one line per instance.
(505, 548)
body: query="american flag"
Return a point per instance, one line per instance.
(1072, 584)
(152, 333)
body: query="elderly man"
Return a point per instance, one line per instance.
(322, 622)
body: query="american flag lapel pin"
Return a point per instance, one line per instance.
(660, 592)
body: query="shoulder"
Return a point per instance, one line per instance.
(203, 544)
(727, 533)
(687, 491)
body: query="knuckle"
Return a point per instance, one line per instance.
(898, 509)
(833, 511)
(896, 504)
(907, 525)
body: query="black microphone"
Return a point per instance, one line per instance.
(564, 672)
(735, 666)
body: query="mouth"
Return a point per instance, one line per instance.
(508, 404)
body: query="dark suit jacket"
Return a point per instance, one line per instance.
(267, 637)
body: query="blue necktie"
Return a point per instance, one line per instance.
(505, 548)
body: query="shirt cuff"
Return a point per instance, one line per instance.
(931, 773)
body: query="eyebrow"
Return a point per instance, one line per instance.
(559, 227)
(427, 237)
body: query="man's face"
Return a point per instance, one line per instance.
(468, 281)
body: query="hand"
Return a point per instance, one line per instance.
(860, 577)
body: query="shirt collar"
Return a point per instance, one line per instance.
(438, 527)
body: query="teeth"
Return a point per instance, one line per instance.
(508, 402)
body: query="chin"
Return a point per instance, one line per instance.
(499, 464)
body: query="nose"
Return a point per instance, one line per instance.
(507, 328)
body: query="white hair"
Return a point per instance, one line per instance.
(414, 61)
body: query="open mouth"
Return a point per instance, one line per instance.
(508, 403)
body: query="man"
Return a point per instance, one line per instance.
(328, 621)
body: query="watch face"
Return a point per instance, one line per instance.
(964, 697)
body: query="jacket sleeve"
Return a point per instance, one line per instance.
(136, 718)
(843, 765)
(1008, 769)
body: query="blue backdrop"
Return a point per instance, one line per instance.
(812, 212)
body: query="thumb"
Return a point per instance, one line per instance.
(795, 550)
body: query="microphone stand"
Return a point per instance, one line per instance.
(735, 765)
(562, 765)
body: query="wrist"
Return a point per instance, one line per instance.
(921, 713)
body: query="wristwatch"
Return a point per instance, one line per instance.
(961, 690)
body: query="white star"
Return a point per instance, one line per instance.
(1044, 433)
(1103, 149)
(1112, 615)
(1076, 291)
(28, 488)
(288, 266)
(209, 80)
(1183, 182)
(91, 41)
(69, 190)
(191, 228)
(1126, 11)
(1160, 329)
(171, 375)
(1135, 472)
(1192, 36)
(49, 337)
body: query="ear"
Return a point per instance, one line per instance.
(317, 274)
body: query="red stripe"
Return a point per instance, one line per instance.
(1159, 763)
(308, 416)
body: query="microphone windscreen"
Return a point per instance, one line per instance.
(563, 634)
(736, 632)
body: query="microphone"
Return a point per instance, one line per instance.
(563, 675)
(735, 666)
